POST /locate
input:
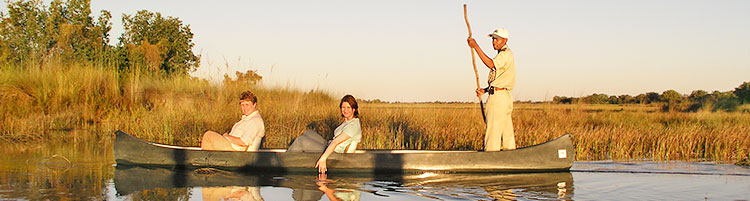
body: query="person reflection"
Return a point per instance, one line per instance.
(232, 193)
(561, 190)
(500, 194)
(338, 194)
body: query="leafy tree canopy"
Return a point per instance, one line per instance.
(743, 92)
(671, 96)
(32, 32)
(159, 43)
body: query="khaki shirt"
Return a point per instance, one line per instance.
(504, 75)
(246, 129)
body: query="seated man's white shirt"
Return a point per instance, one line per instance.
(247, 129)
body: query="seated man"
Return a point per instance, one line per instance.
(245, 135)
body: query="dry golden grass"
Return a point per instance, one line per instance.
(640, 133)
(601, 131)
(56, 102)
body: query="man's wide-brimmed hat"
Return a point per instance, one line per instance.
(500, 33)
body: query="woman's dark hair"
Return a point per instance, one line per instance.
(352, 102)
(248, 96)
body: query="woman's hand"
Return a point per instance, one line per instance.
(479, 92)
(321, 165)
(322, 180)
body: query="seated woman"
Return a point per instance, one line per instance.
(347, 135)
(246, 134)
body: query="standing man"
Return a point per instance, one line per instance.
(245, 135)
(502, 79)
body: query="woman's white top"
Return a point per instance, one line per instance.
(353, 129)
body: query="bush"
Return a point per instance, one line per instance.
(679, 107)
(727, 104)
(743, 92)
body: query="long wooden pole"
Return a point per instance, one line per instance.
(474, 63)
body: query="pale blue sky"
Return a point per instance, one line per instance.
(416, 50)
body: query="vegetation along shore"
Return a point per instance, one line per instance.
(53, 102)
(60, 78)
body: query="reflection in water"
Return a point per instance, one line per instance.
(339, 194)
(161, 194)
(224, 185)
(243, 193)
(73, 169)
(494, 186)
(80, 168)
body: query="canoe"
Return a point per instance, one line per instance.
(555, 155)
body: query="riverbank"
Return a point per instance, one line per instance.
(50, 102)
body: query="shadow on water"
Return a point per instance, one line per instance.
(138, 181)
(180, 159)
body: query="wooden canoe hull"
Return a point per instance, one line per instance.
(555, 155)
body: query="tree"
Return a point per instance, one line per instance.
(697, 96)
(743, 92)
(249, 78)
(614, 100)
(627, 99)
(75, 34)
(31, 32)
(597, 99)
(174, 42)
(724, 95)
(652, 97)
(641, 98)
(671, 96)
(564, 100)
(22, 31)
(558, 99)
(726, 101)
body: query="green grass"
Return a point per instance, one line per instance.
(55, 101)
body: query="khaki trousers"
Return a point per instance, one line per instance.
(499, 123)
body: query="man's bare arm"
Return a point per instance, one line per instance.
(235, 140)
(485, 59)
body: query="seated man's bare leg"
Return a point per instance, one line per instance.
(214, 141)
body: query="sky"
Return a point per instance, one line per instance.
(414, 51)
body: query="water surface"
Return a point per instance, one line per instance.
(84, 170)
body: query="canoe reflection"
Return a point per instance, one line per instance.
(495, 186)
(224, 185)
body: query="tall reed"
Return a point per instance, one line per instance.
(54, 101)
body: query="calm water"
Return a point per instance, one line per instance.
(84, 170)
